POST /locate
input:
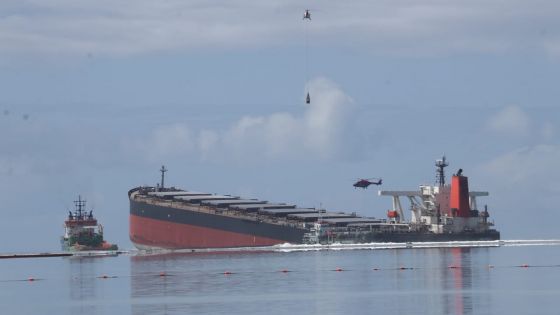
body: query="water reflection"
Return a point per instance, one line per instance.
(83, 289)
(146, 284)
(459, 274)
(371, 283)
(460, 283)
(159, 282)
(435, 281)
(432, 281)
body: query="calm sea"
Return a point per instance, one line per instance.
(382, 281)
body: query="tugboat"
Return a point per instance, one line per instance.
(82, 232)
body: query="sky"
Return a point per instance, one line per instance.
(97, 95)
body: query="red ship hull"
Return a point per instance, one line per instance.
(151, 233)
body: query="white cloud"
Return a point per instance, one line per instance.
(143, 26)
(268, 135)
(326, 115)
(512, 121)
(548, 130)
(316, 133)
(207, 140)
(536, 167)
(165, 141)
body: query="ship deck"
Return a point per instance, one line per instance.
(249, 209)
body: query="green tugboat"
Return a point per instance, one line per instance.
(82, 232)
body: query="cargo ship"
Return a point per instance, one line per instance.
(82, 231)
(173, 218)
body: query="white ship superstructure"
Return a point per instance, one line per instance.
(441, 208)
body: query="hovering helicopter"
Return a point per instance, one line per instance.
(307, 16)
(365, 182)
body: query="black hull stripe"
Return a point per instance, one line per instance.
(236, 225)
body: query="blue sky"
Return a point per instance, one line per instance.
(97, 95)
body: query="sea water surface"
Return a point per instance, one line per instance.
(512, 279)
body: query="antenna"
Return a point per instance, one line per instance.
(440, 172)
(80, 205)
(162, 170)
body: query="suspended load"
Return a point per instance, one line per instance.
(308, 99)
(307, 15)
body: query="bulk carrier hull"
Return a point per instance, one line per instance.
(158, 226)
(171, 218)
(152, 229)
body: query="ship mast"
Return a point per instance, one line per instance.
(162, 170)
(440, 172)
(80, 205)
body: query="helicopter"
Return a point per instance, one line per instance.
(365, 182)
(306, 16)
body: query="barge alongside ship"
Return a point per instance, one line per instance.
(171, 218)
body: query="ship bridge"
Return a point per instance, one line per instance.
(424, 200)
